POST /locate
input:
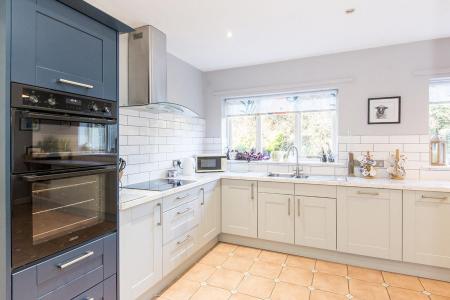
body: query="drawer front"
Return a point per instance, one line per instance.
(95, 293)
(179, 250)
(67, 275)
(313, 190)
(368, 193)
(275, 187)
(181, 198)
(51, 41)
(180, 219)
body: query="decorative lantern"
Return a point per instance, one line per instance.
(438, 151)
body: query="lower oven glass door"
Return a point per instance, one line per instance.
(53, 212)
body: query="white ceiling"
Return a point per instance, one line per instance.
(275, 30)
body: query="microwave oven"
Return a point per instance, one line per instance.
(211, 163)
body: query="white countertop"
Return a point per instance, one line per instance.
(130, 198)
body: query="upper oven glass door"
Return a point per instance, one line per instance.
(43, 141)
(52, 212)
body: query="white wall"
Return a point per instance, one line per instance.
(377, 72)
(184, 82)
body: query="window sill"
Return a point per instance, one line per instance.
(303, 163)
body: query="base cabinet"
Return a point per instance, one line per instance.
(240, 207)
(369, 222)
(276, 217)
(315, 222)
(210, 213)
(141, 243)
(426, 228)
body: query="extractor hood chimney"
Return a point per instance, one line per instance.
(147, 72)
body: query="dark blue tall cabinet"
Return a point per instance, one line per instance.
(65, 45)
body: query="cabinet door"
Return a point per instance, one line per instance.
(426, 228)
(370, 222)
(276, 217)
(315, 222)
(239, 207)
(140, 249)
(56, 47)
(210, 214)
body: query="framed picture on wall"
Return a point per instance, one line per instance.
(384, 110)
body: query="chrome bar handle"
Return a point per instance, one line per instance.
(185, 240)
(184, 211)
(90, 298)
(289, 206)
(253, 191)
(435, 197)
(160, 214)
(368, 193)
(76, 260)
(203, 196)
(75, 83)
(298, 207)
(182, 197)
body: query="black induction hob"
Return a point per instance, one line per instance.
(159, 184)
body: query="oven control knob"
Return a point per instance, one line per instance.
(94, 107)
(51, 101)
(106, 110)
(34, 99)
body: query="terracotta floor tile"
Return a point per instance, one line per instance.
(272, 257)
(247, 252)
(214, 259)
(181, 290)
(265, 269)
(402, 294)
(365, 274)
(237, 263)
(331, 268)
(240, 296)
(287, 291)
(300, 262)
(402, 281)
(322, 295)
(437, 297)
(330, 283)
(226, 279)
(296, 276)
(224, 248)
(256, 286)
(210, 292)
(199, 272)
(436, 287)
(367, 290)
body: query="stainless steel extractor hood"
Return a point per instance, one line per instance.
(147, 73)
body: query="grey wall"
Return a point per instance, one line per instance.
(4, 137)
(184, 82)
(377, 72)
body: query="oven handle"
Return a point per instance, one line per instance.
(35, 178)
(34, 115)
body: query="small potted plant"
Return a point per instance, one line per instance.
(278, 147)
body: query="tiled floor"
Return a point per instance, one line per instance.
(241, 273)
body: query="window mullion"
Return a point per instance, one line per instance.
(258, 134)
(298, 132)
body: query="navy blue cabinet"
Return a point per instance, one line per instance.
(56, 47)
(86, 272)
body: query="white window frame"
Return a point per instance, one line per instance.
(297, 138)
(430, 103)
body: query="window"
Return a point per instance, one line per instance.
(275, 122)
(439, 110)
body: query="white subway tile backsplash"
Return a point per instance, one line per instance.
(374, 139)
(350, 139)
(404, 139)
(388, 147)
(360, 147)
(137, 121)
(416, 148)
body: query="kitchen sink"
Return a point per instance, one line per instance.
(286, 175)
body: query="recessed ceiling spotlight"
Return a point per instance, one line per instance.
(349, 11)
(229, 34)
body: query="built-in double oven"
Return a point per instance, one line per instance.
(64, 151)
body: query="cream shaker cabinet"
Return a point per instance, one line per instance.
(426, 228)
(369, 222)
(210, 212)
(276, 217)
(240, 207)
